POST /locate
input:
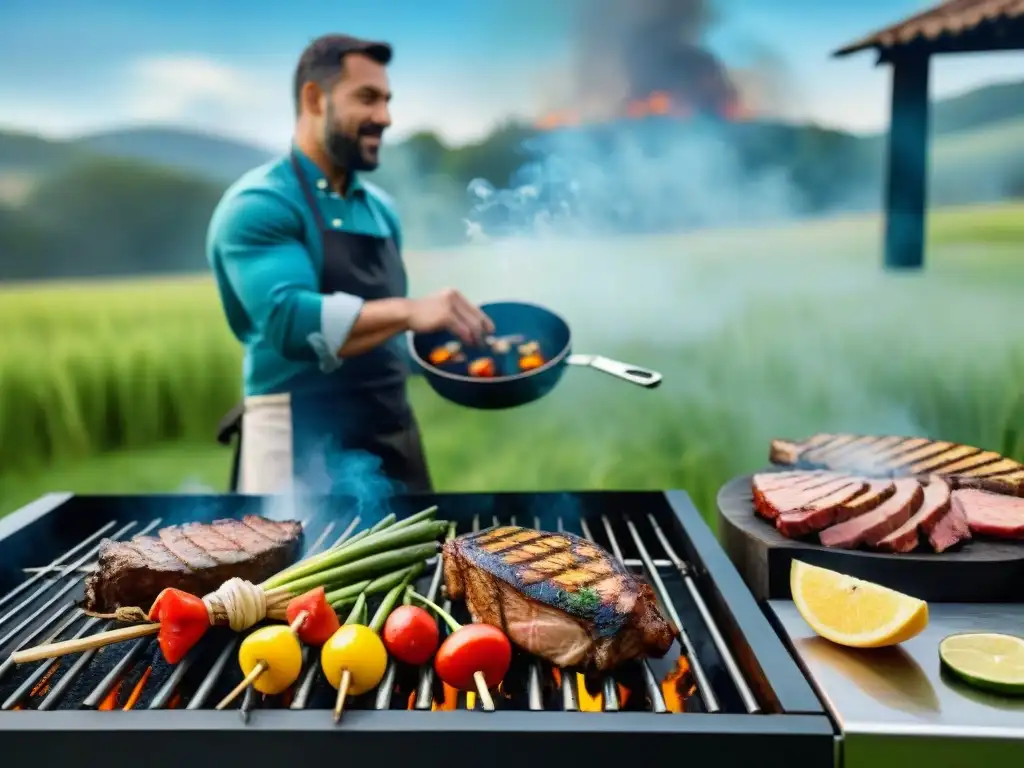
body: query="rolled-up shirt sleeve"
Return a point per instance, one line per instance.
(259, 243)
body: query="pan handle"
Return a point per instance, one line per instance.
(634, 374)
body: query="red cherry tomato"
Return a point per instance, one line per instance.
(410, 635)
(473, 648)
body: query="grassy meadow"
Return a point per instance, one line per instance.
(117, 387)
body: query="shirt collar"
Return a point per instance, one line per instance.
(317, 178)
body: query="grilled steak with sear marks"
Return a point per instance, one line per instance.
(873, 526)
(557, 596)
(934, 506)
(195, 557)
(961, 465)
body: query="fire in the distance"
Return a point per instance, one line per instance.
(657, 104)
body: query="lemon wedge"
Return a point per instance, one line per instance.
(854, 612)
(989, 661)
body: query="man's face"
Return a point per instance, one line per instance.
(355, 114)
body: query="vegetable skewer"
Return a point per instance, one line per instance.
(354, 659)
(271, 657)
(472, 656)
(269, 641)
(182, 618)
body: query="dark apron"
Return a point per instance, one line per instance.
(365, 428)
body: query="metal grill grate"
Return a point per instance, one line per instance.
(132, 675)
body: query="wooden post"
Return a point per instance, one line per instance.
(907, 168)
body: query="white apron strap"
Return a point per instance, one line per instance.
(266, 462)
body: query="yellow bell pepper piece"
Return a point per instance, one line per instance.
(359, 650)
(278, 647)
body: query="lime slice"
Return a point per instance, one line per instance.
(989, 661)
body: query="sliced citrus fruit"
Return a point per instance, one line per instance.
(854, 612)
(990, 661)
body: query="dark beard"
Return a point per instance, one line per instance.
(343, 150)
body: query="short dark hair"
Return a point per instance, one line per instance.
(322, 61)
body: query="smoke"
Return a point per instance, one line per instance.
(628, 50)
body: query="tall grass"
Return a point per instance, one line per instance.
(759, 334)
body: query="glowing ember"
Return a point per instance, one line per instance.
(133, 698)
(43, 686)
(588, 702)
(110, 702)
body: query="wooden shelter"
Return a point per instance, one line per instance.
(957, 26)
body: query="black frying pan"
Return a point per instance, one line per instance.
(515, 321)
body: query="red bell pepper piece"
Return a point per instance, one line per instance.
(183, 621)
(321, 621)
(470, 649)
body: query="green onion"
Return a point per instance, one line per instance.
(373, 565)
(387, 605)
(357, 609)
(313, 573)
(344, 595)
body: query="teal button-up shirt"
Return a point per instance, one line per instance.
(266, 252)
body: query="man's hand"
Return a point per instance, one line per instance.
(449, 310)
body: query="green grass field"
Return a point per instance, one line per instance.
(117, 387)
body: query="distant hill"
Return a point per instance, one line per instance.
(978, 108)
(206, 155)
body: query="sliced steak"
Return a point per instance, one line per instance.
(872, 527)
(989, 514)
(817, 514)
(194, 557)
(557, 596)
(949, 530)
(1011, 484)
(770, 503)
(872, 497)
(934, 506)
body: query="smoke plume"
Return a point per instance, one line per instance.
(627, 50)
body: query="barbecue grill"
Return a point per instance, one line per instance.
(729, 689)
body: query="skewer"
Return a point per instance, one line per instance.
(259, 669)
(100, 640)
(339, 701)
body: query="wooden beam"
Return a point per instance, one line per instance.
(907, 167)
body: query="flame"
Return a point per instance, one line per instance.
(133, 698)
(175, 701)
(110, 701)
(678, 686)
(656, 104)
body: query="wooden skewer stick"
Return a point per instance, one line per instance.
(339, 703)
(259, 669)
(482, 692)
(53, 650)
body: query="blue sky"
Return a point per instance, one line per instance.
(460, 66)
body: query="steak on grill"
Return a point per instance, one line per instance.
(962, 465)
(989, 514)
(557, 596)
(194, 557)
(871, 527)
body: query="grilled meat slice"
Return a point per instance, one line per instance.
(962, 465)
(949, 530)
(195, 557)
(934, 506)
(557, 596)
(872, 527)
(820, 513)
(771, 499)
(989, 514)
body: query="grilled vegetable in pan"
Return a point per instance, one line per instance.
(536, 368)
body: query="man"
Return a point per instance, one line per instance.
(307, 259)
